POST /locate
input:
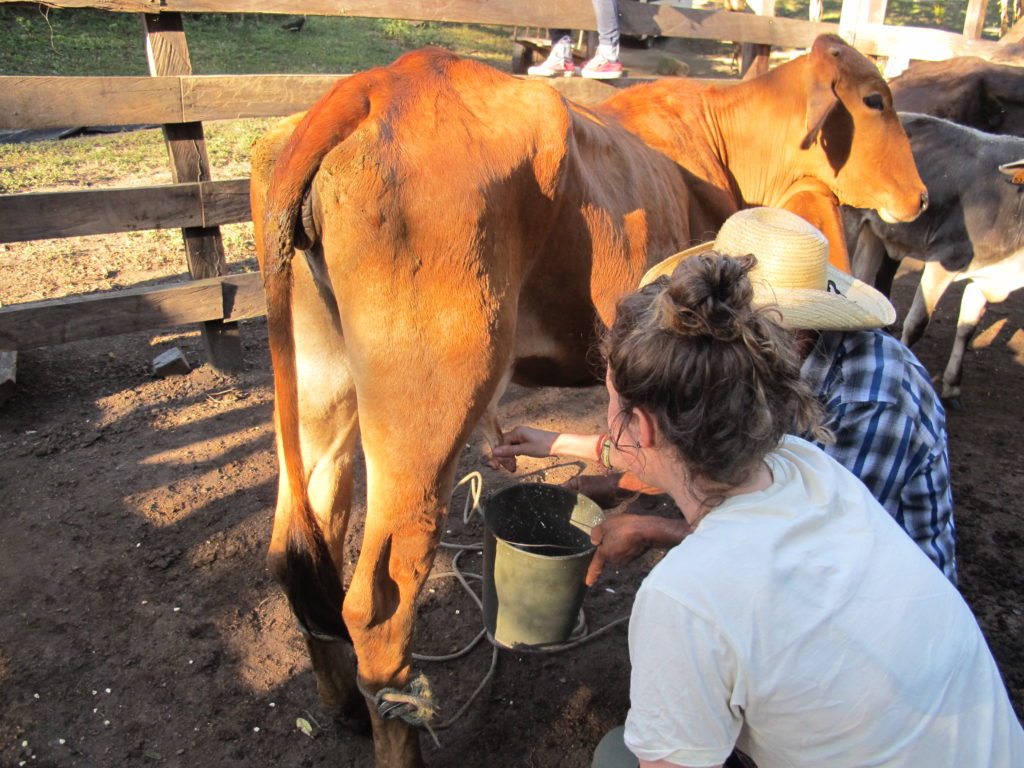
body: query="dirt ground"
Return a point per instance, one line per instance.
(139, 625)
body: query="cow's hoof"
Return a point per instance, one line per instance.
(953, 403)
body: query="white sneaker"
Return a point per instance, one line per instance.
(554, 65)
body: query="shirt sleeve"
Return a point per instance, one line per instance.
(684, 705)
(909, 476)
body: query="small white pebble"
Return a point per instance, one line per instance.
(60, 741)
(176, 609)
(190, 661)
(145, 602)
(255, 729)
(21, 762)
(609, 589)
(106, 722)
(138, 544)
(106, 690)
(273, 704)
(24, 743)
(94, 710)
(35, 695)
(94, 693)
(456, 611)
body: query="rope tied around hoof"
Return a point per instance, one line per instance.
(413, 705)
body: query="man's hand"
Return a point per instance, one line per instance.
(622, 538)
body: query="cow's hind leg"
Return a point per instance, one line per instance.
(309, 564)
(422, 389)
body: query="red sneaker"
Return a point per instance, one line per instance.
(600, 68)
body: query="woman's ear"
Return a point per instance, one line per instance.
(647, 429)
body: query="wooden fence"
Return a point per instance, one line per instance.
(180, 101)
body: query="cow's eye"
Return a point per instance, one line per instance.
(874, 101)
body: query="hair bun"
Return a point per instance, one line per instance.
(707, 296)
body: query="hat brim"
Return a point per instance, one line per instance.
(849, 304)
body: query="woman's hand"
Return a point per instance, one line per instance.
(539, 443)
(526, 441)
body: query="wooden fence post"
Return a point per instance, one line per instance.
(755, 58)
(974, 23)
(167, 54)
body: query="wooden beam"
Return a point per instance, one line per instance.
(856, 13)
(44, 323)
(919, 43)
(1014, 34)
(45, 215)
(58, 102)
(167, 54)
(755, 59)
(637, 18)
(974, 23)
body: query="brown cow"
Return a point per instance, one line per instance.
(430, 230)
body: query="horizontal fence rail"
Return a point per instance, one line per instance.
(44, 215)
(651, 19)
(75, 318)
(58, 102)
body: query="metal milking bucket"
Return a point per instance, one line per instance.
(536, 553)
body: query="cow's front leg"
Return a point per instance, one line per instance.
(972, 308)
(935, 279)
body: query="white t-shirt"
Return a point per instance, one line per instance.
(800, 624)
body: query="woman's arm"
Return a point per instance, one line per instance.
(540, 443)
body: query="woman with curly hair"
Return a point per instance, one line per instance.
(795, 621)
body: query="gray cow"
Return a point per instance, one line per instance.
(973, 230)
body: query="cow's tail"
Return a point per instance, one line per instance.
(307, 572)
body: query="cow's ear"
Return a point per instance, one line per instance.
(821, 100)
(1014, 170)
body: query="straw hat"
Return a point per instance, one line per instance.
(793, 272)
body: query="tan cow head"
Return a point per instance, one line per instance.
(854, 135)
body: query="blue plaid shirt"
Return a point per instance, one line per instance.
(890, 432)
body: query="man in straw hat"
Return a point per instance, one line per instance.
(888, 423)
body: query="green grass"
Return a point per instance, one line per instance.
(39, 41)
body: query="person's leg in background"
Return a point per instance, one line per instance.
(605, 65)
(559, 61)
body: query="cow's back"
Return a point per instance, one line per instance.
(967, 90)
